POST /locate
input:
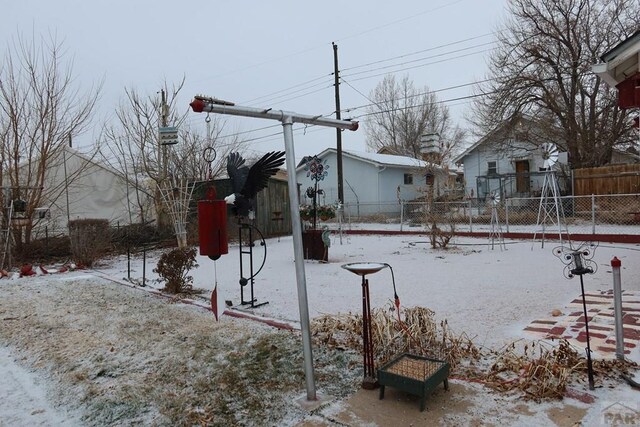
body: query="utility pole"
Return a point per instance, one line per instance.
(163, 119)
(66, 183)
(338, 130)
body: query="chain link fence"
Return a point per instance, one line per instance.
(596, 214)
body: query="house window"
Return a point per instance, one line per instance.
(492, 168)
(429, 178)
(408, 179)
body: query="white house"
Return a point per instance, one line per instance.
(78, 187)
(507, 161)
(372, 182)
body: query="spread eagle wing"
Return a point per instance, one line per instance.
(237, 171)
(259, 173)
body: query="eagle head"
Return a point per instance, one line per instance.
(230, 199)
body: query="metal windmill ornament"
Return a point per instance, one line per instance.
(496, 228)
(550, 155)
(579, 262)
(550, 210)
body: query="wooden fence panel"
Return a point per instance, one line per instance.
(613, 179)
(273, 211)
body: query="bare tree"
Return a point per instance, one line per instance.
(132, 146)
(401, 114)
(40, 109)
(541, 69)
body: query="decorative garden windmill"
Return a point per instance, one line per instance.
(550, 211)
(496, 228)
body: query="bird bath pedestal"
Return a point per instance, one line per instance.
(362, 269)
(313, 246)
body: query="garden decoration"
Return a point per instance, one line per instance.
(314, 245)
(362, 269)
(408, 372)
(316, 171)
(287, 118)
(212, 227)
(246, 183)
(550, 209)
(496, 229)
(579, 262)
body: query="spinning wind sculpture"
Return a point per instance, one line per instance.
(496, 229)
(550, 210)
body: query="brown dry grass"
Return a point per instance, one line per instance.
(539, 370)
(119, 356)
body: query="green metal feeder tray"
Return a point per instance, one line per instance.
(417, 375)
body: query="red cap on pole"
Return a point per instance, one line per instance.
(615, 262)
(197, 105)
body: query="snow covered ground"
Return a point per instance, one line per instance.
(491, 295)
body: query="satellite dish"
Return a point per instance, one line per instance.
(549, 155)
(495, 198)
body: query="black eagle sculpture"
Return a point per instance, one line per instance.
(248, 181)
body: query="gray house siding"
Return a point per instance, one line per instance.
(371, 185)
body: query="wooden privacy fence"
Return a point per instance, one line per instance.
(273, 210)
(613, 179)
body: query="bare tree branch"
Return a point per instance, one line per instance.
(542, 69)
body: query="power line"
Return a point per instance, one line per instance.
(266, 98)
(415, 66)
(391, 110)
(416, 52)
(410, 96)
(279, 58)
(400, 20)
(289, 88)
(298, 96)
(347, 110)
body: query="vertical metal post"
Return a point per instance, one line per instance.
(201, 104)
(593, 214)
(470, 223)
(586, 327)
(301, 281)
(144, 266)
(506, 214)
(617, 307)
(338, 130)
(401, 213)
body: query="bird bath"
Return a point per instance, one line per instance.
(362, 269)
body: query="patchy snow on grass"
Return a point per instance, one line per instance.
(104, 353)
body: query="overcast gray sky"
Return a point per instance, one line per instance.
(274, 54)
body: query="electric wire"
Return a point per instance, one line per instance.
(419, 66)
(266, 98)
(414, 53)
(413, 61)
(289, 88)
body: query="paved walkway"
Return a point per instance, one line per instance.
(571, 325)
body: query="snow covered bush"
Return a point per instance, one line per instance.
(173, 267)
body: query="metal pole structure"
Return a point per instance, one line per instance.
(201, 104)
(586, 327)
(338, 131)
(581, 269)
(163, 118)
(617, 307)
(298, 256)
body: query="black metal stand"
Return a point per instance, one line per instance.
(586, 326)
(242, 227)
(369, 382)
